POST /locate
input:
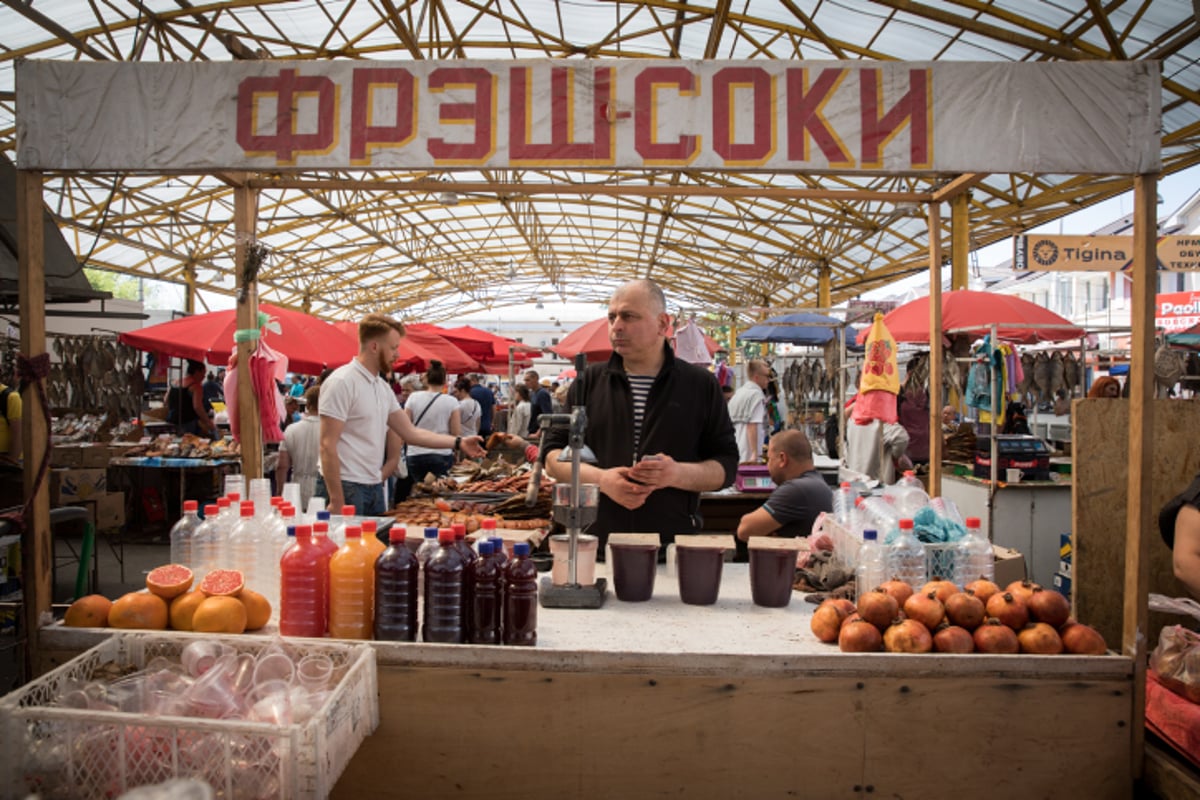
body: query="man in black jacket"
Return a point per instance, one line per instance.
(659, 426)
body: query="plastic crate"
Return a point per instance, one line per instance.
(939, 560)
(79, 753)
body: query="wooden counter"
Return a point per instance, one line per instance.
(732, 700)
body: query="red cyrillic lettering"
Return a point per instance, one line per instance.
(726, 82)
(364, 134)
(912, 109)
(481, 113)
(645, 115)
(561, 149)
(805, 117)
(285, 143)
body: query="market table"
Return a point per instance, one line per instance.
(730, 700)
(133, 475)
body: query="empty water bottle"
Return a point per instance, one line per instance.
(973, 558)
(843, 504)
(183, 534)
(872, 564)
(906, 556)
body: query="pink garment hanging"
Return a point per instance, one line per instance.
(266, 365)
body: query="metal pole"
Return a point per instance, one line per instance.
(995, 450)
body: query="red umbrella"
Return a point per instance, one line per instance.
(311, 344)
(970, 312)
(592, 339)
(418, 347)
(489, 349)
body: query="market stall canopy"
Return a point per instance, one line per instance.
(799, 328)
(310, 344)
(965, 311)
(418, 348)
(1189, 338)
(490, 349)
(591, 339)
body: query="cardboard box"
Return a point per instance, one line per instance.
(1010, 565)
(65, 455)
(1062, 584)
(69, 486)
(93, 456)
(108, 511)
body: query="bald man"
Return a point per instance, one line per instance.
(800, 491)
(658, 425)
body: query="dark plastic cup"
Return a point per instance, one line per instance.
(772, 572)
(633, 571)
(700, 571)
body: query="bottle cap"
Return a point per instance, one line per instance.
(234, 497)
(211, 510)
(445, 536)
(224, 502)
(276, 501)
(870, 535)
(485, 548)
(369, 526)
(303, 532)
(353, 531)
(323, 515)
(291, 531)
(497, 544)
(908, 473)
(397, 534)
(521, 549)
(287, 511)
(320, 527)
(488, 524)
(190, 505)
(845, 485)
(431, 533)
(858, 501)
(906, 524)
(248, 508)
(973, 522)
(460, 531)
(347, 511)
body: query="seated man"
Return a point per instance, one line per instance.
(800, 491)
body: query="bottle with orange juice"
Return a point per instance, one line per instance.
(349, 588)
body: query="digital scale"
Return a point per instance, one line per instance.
(753, 478)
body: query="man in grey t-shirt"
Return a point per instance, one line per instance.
(800, 494)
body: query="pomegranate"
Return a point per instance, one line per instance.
(847, 606)
(1083, 640)
(1050, 607)
(851, 618)
(965, 610)
(983, 589)
(878, 608)
(826, 621)
(953, 639)
(897, 589)
(1039, 639)
(1009, 609)
(1021, 589)
(942, 587)
(993, 636)
(860, 636)
(926, 609)
(907, 636)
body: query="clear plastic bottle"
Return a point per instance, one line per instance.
(424, 553)
(974, 558)
(334, 536)
(287, 515)
(349, 611)
(443, 593)
(907, 495)
(880, 515)
(396, 574)
(843, 504)
(183, 535)
(872, 564)
(520, 598)
(304, 586)
(206, 542)
(245, 541)
(486, 598)
(906, 556)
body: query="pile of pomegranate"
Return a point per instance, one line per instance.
(980, 618)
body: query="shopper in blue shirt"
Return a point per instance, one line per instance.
(482, 395)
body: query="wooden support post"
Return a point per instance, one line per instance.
(733, 334)
(189, 277)
(1139, 519)
(37, 546)
(935, 350)
(960, 241)
(824, 287)
(245, 208)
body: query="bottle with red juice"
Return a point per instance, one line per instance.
(521, 598)
(443, 593)
(486, 598)
(396, 573)
(303, 587)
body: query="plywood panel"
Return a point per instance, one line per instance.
(1099, 442)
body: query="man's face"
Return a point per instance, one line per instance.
(635, 327)
(776, 462)
(531, 383)
(386, 348)
(948, 415)
(761, 376)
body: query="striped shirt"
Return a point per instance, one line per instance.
(640, 386)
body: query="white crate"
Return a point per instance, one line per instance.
(78, 753)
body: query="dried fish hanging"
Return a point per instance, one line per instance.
(96, 374)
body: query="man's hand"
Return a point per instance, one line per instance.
(336, 500)
(616, 484)
(473, 446)
(655, 472)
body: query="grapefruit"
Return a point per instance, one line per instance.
(139, 610)
(169, 581)
(223, 583)
(89, 612)
(184, 607)
(219, 614)
(258, 610)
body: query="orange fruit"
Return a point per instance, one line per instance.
(220, 615)
(223, 583)
(169, 581)
(184, 607)
(89, 612)
(258, 610)
(139, 610)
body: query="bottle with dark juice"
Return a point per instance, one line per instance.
(396, 573)
(485, 611)
(521, 598)
(443, 593)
